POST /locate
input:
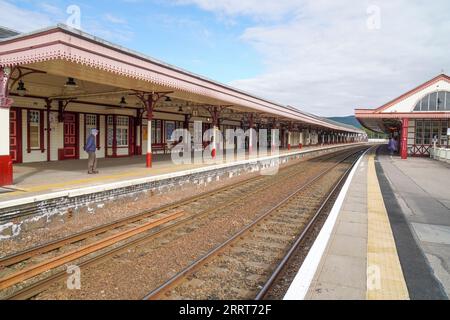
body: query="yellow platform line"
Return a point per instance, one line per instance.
(385, 280)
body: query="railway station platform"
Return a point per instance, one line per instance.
(387, 236)
(45, 190)
(33, 179)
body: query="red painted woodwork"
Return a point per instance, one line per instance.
(6, 170)
(114, 142)
(149, 160)
(404, 139)
(421, 150)
(41, 131)
(131, 136)
(71, 147)
(98, 130)
(48, 129)
(15, 135)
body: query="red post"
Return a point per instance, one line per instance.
(404, 139)
(150, 101)
(48, 105)
(6, 167)
(149, 160)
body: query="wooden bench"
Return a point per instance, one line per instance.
(159, 147)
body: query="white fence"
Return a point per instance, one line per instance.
(441, 154)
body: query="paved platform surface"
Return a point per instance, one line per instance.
(417, 193)
(38, 178)
(360, 261)
(391, 237)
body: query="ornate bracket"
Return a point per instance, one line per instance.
(249, 118)
(62, 105)
(5, 101)
(215, 112)
(23, 72)
(150, 100)
(140, 115)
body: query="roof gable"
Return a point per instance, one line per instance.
(407, 101)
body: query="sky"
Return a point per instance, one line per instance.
(322, 56)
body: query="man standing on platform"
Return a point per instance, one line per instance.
(90, 148)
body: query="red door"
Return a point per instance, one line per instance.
(15, 135)
(131, 137)
(70, 136)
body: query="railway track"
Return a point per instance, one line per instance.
(138, 229)
(246, 265)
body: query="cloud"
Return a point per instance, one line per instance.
(51, 9)
(113, 19)
(22, 20)
(322, 57)
(258, 9)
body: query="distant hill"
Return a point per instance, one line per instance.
(351, 120)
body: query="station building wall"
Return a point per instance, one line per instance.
(84, 115)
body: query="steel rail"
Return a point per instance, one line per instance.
(40, 285)
(262, 293)
(58, 261)
(166, 286)
(15, 258)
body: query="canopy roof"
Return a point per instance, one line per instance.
(107, 70)
(388, 116)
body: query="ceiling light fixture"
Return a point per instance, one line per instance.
(71, 84)
(122, 102)
(21, 90)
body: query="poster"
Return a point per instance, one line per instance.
(170, 127)
(144, 133)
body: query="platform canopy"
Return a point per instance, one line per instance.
(105, 72)
(430, 100)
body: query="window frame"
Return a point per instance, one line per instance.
(40, 130)
(420, 107)
(86, 127)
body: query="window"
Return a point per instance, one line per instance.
(91, 123)
(110, 132)
(121, 135)
(444, 138)
(426, 130)
(122, 125)
(435, 101)
(433, 98)
(170, 127)
(441, 101)
(156, 131)
(153, 131)
(34, 120)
